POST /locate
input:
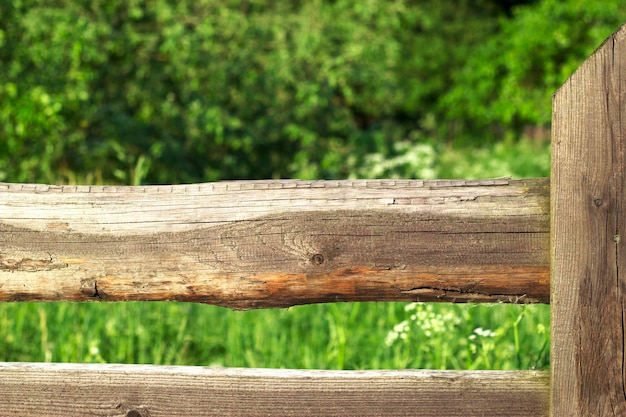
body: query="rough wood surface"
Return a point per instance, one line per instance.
(31, 389)
(253, 244)
(588, 237)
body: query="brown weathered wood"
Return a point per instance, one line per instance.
(588, 236)
(255, 244)
(32, 389)
(242, 244)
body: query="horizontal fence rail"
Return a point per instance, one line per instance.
(148, 390)
(257, 244)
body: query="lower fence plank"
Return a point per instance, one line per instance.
(35, 389)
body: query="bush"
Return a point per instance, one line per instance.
(169, 92)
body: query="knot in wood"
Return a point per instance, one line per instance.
(317, 259)
(138, 412)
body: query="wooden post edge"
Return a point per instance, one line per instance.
(588, 234)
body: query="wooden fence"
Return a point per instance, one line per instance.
(258, 244)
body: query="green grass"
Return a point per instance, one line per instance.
(332, 336)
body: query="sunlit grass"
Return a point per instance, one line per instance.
(332, 336)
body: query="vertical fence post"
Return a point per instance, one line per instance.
(588, 236)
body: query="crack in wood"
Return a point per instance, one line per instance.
(89, 288)
(453, 294)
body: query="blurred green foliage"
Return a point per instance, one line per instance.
(161, 91)
(508, 80)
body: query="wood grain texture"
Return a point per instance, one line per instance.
(254, 244)
(588, 236)
(32, 389)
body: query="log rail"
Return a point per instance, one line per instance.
(259, 244)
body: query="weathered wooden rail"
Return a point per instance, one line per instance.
(280, 243)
